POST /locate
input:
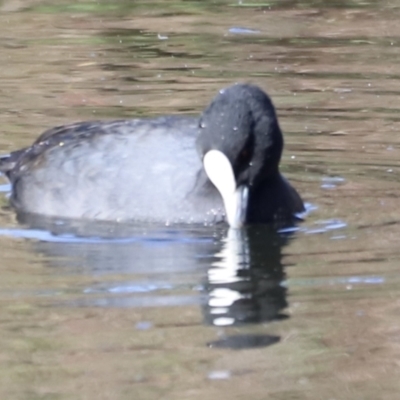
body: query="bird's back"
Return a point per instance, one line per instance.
(123, 170)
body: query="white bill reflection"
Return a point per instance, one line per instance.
(244, 283)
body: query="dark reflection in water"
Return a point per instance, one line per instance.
(239, 342)
(244, 283)
(235, 276)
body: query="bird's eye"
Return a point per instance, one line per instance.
(245, 156)
(246, 153)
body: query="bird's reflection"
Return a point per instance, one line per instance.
(244, 282)
(242, 270)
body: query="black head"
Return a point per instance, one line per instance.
(241, 123)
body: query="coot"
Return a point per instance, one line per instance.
(223, 166)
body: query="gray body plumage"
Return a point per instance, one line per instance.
(151, 170)
(145, 170)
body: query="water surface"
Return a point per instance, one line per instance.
(109, 311)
